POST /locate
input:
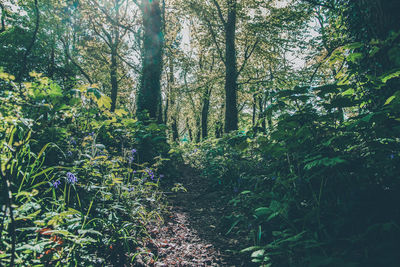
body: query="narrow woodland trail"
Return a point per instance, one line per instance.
(190, 236)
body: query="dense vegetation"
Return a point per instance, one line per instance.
(291, 108)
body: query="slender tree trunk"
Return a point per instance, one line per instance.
(231, 112)
(189, 129)
(52, 63)
(149, 95)
(114, 80)
(173, 117)
(3, 17)
(165, 111)
(253, 120)
(261, 114)
(204, 113)
(198, 129)
(114, 55)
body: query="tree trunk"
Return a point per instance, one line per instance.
(261, 115)
(204, 113)
(231, 112)
(114, 81)
(198, 129)
(173, 117)
(189, 129)
(3, 17)
(149, 95)
(253, 120)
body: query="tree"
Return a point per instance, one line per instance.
(149, 95)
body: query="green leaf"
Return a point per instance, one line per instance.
(390, 99)
(353, 57)
(394, 74)
(348, 92)
(250, 249)
(262, 211)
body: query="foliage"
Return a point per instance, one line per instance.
(75, 200)
(321, 188)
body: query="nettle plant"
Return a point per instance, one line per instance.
(72, 201)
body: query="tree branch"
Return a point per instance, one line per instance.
(66, 51)
(247, 55)
(219, 12)
(214, 37)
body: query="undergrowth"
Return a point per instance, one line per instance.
(78, 193)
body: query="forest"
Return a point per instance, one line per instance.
(200, 133)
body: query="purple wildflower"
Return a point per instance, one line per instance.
(71, 178)
(69, 154)
(91, 134)
(132, 156)
(55, 184)
(391, 156)
(131, 189)
(149, 173)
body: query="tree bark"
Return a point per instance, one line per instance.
(231, 112)
(114, 80)
(261, 115)
(149, 95)
(173, 117)
(204, 113)
(3, 17)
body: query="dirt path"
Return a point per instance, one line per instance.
(190, 236)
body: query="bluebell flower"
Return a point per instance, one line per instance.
(69, 154)
(131, 158)
(273, 178)
(391, 156)
(91, 134)
(131, 189)
(149, 173)
(71, 178)
(55, 184)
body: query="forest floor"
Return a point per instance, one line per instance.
(190, 236)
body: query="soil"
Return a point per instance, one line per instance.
(191, 235)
